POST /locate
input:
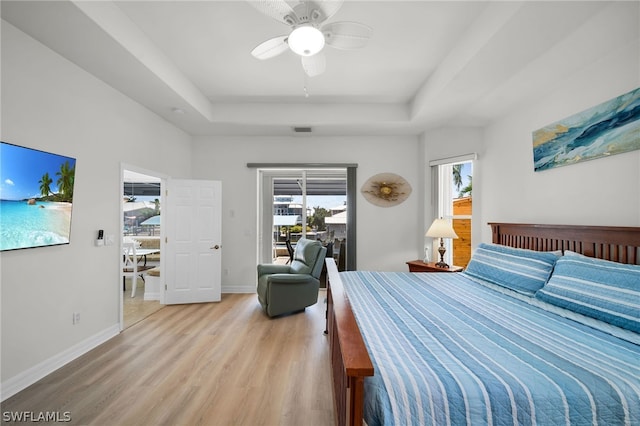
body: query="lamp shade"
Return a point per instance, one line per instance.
(306, 40)
(441, 228)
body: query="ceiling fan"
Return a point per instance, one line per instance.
(308, 35)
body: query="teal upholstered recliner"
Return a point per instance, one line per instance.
(293, 287)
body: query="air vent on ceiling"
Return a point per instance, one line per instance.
(302, 129)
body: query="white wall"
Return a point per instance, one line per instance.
(50, 104)
(386, 236)
(604, 191)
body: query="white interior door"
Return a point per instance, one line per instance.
(193, 241)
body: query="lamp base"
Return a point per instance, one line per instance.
(442, 251)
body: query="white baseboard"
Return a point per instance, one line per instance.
(151, 296)
(238, 289)
(28, 377)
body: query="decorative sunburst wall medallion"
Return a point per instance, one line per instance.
(386, 189)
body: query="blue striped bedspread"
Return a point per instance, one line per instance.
(449, 351)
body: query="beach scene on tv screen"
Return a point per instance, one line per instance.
(36, 197)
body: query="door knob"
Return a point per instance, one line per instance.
(216, 247)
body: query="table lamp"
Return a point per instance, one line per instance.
(441, 228)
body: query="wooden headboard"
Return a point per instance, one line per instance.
(615, 243)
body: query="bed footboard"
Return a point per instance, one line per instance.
(350, 362)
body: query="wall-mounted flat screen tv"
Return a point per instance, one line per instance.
(36, 197)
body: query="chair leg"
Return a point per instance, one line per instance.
(134, 284)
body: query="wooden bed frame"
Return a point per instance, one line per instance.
(350, 362)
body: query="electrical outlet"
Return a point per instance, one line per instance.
(76, 317)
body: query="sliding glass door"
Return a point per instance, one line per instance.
(299, 203)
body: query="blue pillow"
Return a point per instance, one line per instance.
(607, 291)
(524, 271)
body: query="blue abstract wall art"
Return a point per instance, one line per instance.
(613, 127)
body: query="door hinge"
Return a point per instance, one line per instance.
(165, 287)
(166, 240)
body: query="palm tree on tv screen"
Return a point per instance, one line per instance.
(65, 181)
(45, 184)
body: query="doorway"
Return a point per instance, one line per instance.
(141, 225)
(303, 203)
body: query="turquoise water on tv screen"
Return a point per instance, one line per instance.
(23, 225)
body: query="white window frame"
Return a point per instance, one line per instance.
(442, 170)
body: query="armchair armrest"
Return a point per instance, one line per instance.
(271, 268)
(290, 278)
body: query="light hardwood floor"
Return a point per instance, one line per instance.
(136, 308)
(221, 363)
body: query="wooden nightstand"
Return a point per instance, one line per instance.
(420, 266)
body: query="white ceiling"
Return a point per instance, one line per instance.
(428, 63)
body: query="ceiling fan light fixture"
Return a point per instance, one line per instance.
(306, 40)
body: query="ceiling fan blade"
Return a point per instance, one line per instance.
(314, 65)
(276, 9)
(270, 48)
(327, 7)
(346, 35)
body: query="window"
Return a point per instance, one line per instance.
(454, 178)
